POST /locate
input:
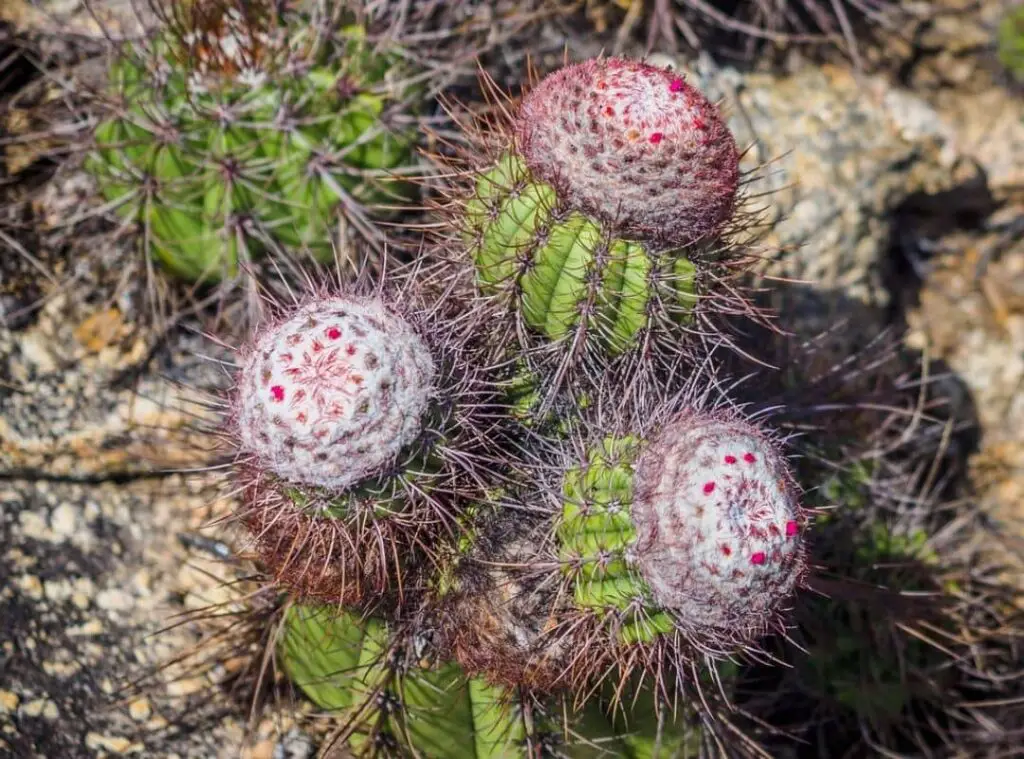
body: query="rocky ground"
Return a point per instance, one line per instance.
(894, 198)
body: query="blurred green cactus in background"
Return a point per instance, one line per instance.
(235, 132)
(1010, 42)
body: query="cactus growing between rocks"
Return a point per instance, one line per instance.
(374, 452)
(241, 129)
(621, 538)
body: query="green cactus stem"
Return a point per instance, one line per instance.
(252, 141)
(353, 667)
(595, 533)
(565, 270)
(394, 698)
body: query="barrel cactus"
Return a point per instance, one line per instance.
(604, 217)
(669, 542)
(346, 425)
(242, 129)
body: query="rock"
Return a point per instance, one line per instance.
(77, 402)
(140, 710)
(954, 68)
(39, 707)
(971, 316)
(128, 632)
(988, 125)
(113, 743)
(832, 157)
(8, 701)
(63, 521)
(114, 600)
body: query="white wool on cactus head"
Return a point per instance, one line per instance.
(332, 394)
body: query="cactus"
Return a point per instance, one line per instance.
(239, 130)
(345, 422)
(603, 217)
(381, 438)
(634, 147)
(391, 696)
(684, 537)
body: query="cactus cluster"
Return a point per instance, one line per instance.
(242, 128)
(393, 468)
(510, 499)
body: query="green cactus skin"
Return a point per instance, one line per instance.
(1010, 43)
(564, 270)
(344, 665)
(525, 400)
(595, 532)
(351, 666)
(217, 173)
